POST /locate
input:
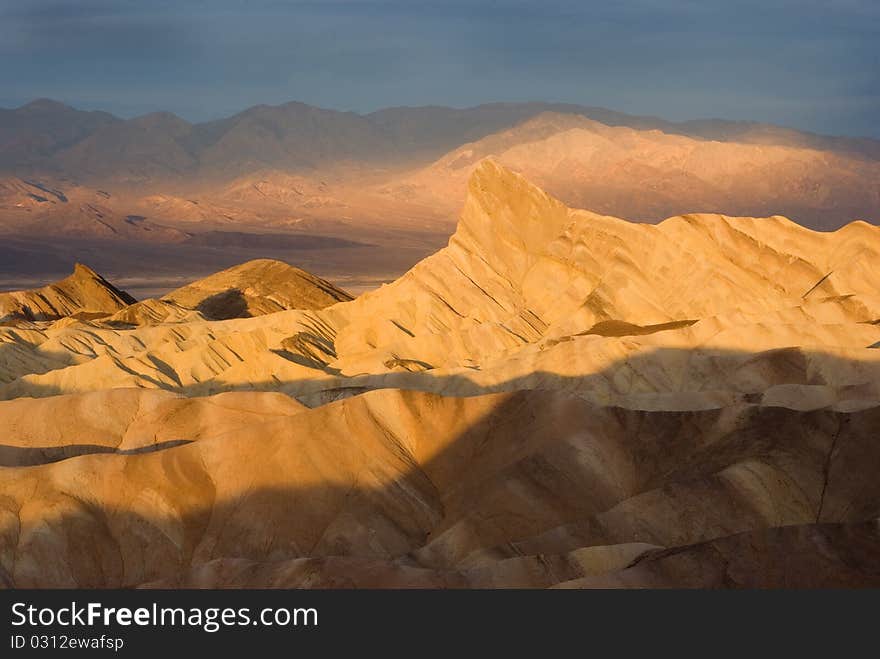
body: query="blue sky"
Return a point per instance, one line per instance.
(807, 64)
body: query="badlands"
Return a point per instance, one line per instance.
(557, 398)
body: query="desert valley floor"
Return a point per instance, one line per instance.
(557, 398)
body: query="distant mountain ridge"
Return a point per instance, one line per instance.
(39, 130)
(49, 138)
(649, 175)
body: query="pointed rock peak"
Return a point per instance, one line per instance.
(494, 185)
(490, 172)
(81, 271)
(83, 274)
(503, 205)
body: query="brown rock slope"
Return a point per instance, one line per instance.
(555, 398)
(525, 489)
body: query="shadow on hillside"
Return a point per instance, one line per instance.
(400, 488)
(718, 376)
(18, 456)
(224, 305)
(19, 359)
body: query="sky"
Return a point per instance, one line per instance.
(808, 64)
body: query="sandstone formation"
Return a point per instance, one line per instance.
(256, 288)
(83, 292)
(556, 398)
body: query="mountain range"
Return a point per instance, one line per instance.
(363, 197)
(49, 137)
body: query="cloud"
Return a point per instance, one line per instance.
(103, 32)
(799, 62)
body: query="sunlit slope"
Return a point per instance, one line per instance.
(256, 288)
(83, 292)
(528, 293)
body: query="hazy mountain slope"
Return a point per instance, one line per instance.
(33, 133)
(650, 175)
(295, 137)
(429, 131)
(20, 196)
(422, 130)
(376, 179)
(51, 209)
(137, 151)
(22, 193)
(160, 148)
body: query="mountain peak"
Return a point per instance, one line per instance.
(255, 288)
(489, 170)
(161, 120)
(82, 271)
(83, 291)
(505, 195)
(505, 217)
(85, 278)
(45, 105)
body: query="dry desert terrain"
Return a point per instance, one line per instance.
(556, 398)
